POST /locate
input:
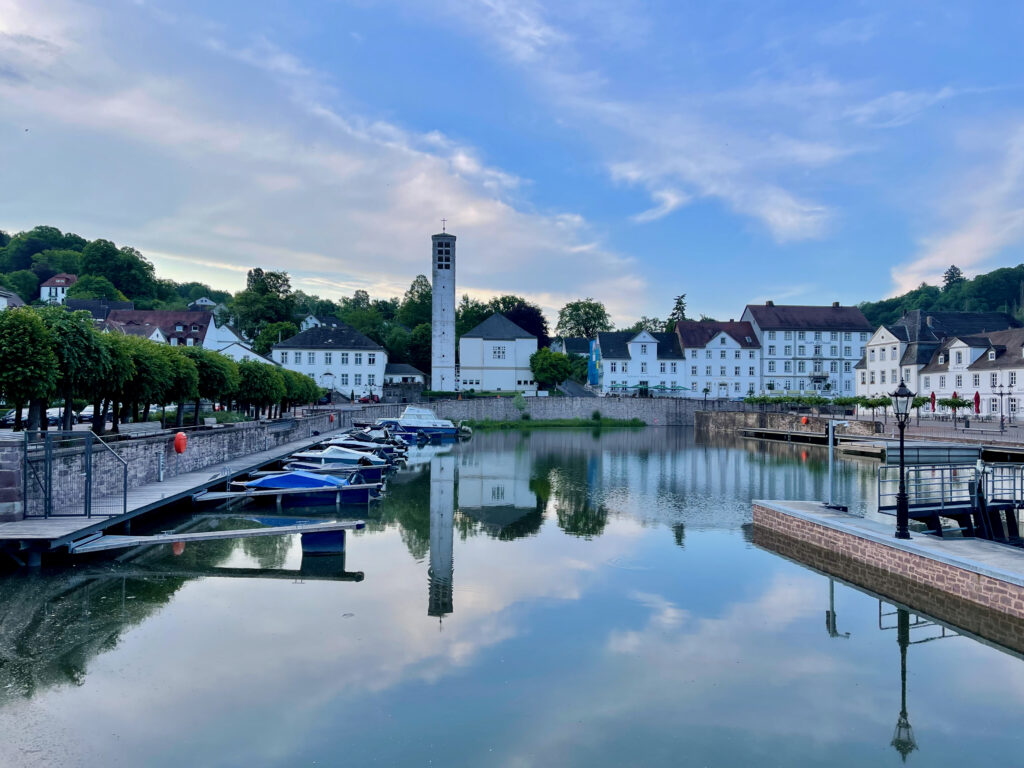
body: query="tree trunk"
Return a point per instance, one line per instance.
(18, 423)
(99, 416)
(115, 417)
(33, 414)
(135, 412)
(67, 422)
(145, 413)
(179, 418)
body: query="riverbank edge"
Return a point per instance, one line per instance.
(526, 424)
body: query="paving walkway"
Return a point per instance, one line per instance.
(59, 531)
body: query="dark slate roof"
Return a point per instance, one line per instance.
(1009, 349)
(795, 317)
(693, 333)
(402, 369)
(329, 337)
(614, 345)
(13, 299)
(919, 325)
(918, 353)
(861, 364)
(98, 308)
(576, 345)
(497, 326)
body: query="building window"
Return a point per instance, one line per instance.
(993, 379)
(371, 358)
(927, 381)
(801, 367)
(787, 366)
(643, 367)
(993, 406)
(847, 367)
(693, 370)
(721, 370)
(942, 382)
(976, 380)
(722, 341)
(788, 335)
(344, 379)
(801, 350)
(817, 349)
(673, 367)
(722, 354)
(863, 377)
(863, 337)
(833, 367)
(771, 366)
(1013, 404)
(771, 349)
(881, 354)
(942, 359)
(707, 354)
(750, 371)
(833, 336)
(179, 328)
(612, 366)
(771, 335)
(357, 358)
(498, 353)
(736, 371)
(1013, 378)
(344, 358)
(833, 350)
(643, 349)
(847, 336)
(327, 358)
(625, 367)
(846, 386)
(284, 357)
(847, 351)
(991, 354)
(789, 350)
(189, 342)
(357, 379)
(371, 379)
(817, 366)
(959, 357)
(311, 358)
(662, 368)
(817, 335)
(959, 381)
(693, 353)
(707, 370)
(800, 335)
(872, 377)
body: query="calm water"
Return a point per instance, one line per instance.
(554, 599)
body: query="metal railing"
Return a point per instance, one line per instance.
(72, 474)
(952, 485)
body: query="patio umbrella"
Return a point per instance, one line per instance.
(977, 402)
(933, 402)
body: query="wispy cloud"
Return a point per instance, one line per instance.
(992, 219)
(668, 200)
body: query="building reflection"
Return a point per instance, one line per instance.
(495, 491)
(442, 536)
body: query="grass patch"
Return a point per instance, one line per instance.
(553, 423)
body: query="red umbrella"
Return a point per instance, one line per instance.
(977, 402)
(955, 395)
(933, 402)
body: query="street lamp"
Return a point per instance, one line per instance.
(901, 401)
(903, 736)
(1002, 409)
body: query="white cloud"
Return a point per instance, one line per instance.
(991, 217)
(898, 107)
(668, 200)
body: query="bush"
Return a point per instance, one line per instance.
(525, 417)
(596, 415)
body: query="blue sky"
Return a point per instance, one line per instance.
(624, 150)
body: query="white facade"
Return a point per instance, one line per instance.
(496, 479)
(239, 351)
(630, 363)
(442, 317)
(496, 365)
(55, 289)
(883, 366)
(722, 368)
(9, 299)
(359, 371)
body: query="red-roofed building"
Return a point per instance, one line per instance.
(55, 290)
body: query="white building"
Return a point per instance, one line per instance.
(403, 373)
(722, 359)
(239, 351)
(315, 321)
(9, 299)
(901, 349)
(55, 289)
(336, 357)
(809, 348)
(643, 363)
(184, 329)
(442, 317)
(494, 489)
(495, 357)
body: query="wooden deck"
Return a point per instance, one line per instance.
(53, 532)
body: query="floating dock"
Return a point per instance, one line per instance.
(27, 539)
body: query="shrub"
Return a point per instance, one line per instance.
(525, 417)
(596, 415)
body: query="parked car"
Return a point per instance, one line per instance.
(53, 417)
(369, 399)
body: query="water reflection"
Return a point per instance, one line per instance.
(441, 572)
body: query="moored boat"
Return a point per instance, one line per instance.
(417, 422)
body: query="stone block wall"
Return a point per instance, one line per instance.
(12, 458)
(979, 589)
(711, 422)
(917, 595)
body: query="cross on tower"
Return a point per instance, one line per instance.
(444, 222)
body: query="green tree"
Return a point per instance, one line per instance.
(952, 276)
(120, 370)
(25, 284)
(95, 287)
(29, 370)
(397, 342)
(154, 381)
(183, 383)
(549, 368)
(469, 314)
(83, 362)
(527, 316)
(649, 324)
(419, 347)
(266, 299)
(18, 253)
(678, 313)
(956, 404)
(584, 317)
(217, 373)
(260, 384)
(48, 263)
(271, 334)
(417, 304)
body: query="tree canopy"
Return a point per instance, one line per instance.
(584, 317)
(549, 368)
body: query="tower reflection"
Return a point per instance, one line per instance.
(442, 517)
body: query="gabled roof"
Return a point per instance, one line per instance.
(98, 308)
(1009, 349)
(13, 299)
(60, 280)
(919, 325)
(615, 345)
(770, 316)
(575, 345)
(694, 333)
(402, 369)
(918, 353)
(325, 319)
(166, 320)
(329, 337)
(497, 326)
(145, 330)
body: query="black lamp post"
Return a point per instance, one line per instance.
(903, 737)
(901, 401)
(1002, 409)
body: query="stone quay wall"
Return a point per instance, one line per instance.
(12, 459)
(712, 422)
(966, 616)
(970, 586)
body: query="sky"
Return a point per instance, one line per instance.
(623, 150)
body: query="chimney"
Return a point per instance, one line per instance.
(835, 304)
(769, 303)
(731, 320)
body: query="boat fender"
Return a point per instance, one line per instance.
(332, 418)
(180, 442)
(803, 419)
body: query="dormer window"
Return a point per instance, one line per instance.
(942, 359)
(991, 354)
(195, 328)
(179, 327)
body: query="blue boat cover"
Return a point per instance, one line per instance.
(297, 479)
